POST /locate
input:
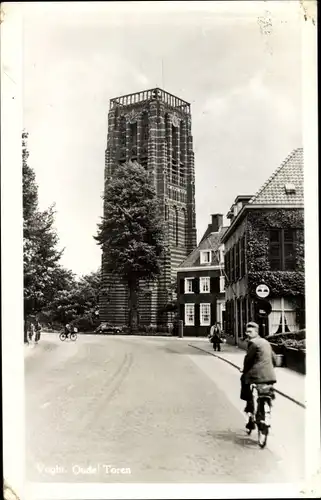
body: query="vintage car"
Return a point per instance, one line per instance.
(105, 328)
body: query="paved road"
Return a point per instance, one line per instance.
(134, 409)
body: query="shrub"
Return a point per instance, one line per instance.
(296, 340)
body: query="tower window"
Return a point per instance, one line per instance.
(122, 135)
(184, 226)
(145, 133)
(175, 225)
(133, 139)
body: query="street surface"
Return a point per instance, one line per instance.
(136, 409)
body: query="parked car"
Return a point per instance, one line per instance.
(105, 328)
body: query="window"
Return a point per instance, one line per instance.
(188, 285)
(282, 253)
(205, 284)
(206, 257)
(222, 284)
(189, 315)
(283, 316)
(185, 226)
(205, 314)
(242, 256)
(290, 188)
(122, 134)
(176, 226)
(145, 130)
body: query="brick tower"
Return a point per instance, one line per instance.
(153, 128)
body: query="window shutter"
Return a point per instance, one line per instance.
(182, 312)
(196, 285)
(232, 264)
(197, 315)
(213, 313)
(215, 285)
(226, 263)
(181, 286)
(237, 257)
(242, 270)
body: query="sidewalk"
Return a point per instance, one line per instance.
(290, 384)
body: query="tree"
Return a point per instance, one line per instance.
(77, 301)
(40, 243)
(131, 231)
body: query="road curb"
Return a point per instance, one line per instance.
(238, 368)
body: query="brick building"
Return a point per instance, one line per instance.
(265, 244)
(153, 128)
(201, 282)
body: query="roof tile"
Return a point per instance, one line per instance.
(211, 242)
(273, 190)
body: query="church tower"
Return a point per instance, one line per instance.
(153, 128)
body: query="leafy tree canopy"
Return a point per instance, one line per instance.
(131, 232)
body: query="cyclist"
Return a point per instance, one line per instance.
(258, 369)
(67, 330)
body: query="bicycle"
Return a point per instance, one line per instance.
(262, 399)
(72, 336)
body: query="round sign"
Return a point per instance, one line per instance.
(262, 291)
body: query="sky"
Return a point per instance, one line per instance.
(237, 63)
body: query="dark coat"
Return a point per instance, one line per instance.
(259, 362)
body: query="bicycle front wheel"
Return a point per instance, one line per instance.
(263, 424)
(263, 435)
(73, 336)
(62, 336)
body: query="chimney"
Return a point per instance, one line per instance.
(217, 222)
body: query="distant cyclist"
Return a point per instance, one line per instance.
(67, 330)
(258, 369)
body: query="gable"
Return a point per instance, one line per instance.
(274, 190)
(212, 242)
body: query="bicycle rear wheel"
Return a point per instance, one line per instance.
(62, 336)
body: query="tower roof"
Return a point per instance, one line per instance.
(155, 94)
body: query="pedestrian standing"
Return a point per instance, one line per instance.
(215, 336)
(32, 332)
(37, 331)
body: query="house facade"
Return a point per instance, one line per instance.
(264, 244)
(201, 283)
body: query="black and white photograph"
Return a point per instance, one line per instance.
(160, 330)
